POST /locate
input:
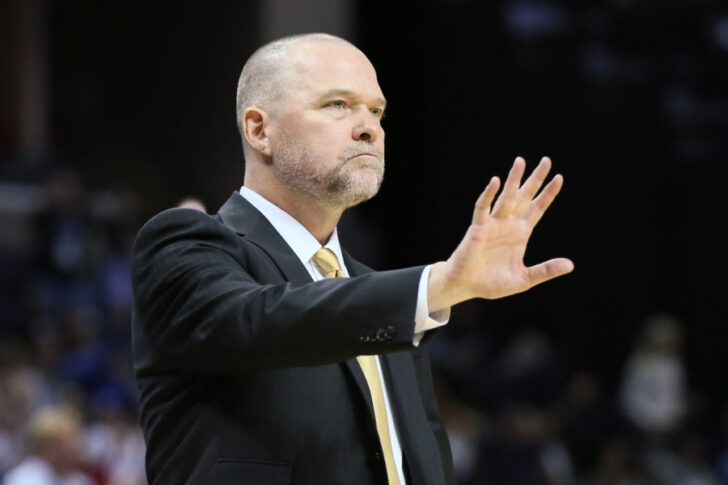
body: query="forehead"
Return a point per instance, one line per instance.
(320, 67)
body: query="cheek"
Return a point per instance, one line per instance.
(322, 140)
(325, 143)
(327, 135)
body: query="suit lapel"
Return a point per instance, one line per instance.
(245, 220)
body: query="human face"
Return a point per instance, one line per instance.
(326, 137)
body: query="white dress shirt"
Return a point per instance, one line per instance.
(305, 245)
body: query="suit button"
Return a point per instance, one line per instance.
(377, 456)
(382, 335)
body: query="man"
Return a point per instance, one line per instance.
(254, 332)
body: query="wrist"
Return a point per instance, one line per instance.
(443, 291)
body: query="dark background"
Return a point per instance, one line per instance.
(629, 98)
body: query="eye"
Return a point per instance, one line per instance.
(378, 112)
(337, 103)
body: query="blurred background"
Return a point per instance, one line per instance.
(615, 374)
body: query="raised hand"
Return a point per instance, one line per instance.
(488, 262)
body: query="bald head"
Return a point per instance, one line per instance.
(309, 111)
(269, 71)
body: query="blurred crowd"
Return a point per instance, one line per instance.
(516, 414)
(68, 410)
(522, 416)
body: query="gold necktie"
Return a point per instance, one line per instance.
(327, 263)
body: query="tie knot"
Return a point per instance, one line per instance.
(327, 263)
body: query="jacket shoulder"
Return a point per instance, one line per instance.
(180, 227)
(178, 223)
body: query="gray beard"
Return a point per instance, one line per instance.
(339, 187)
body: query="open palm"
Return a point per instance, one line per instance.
(488, 262)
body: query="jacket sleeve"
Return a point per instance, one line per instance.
(197, 306)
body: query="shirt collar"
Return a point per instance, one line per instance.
(301, 241)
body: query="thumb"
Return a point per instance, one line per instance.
(548, 270)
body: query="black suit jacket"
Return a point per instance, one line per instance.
(246, 367)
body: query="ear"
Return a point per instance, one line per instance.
(255, 128)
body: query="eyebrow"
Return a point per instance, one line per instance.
(348, 93)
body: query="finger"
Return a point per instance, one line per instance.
(507, 200)
(482, 205)
(532, 184)
(549, 270)
(539, 205)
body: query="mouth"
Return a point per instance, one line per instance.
(366, 154)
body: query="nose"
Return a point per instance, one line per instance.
(367, 127)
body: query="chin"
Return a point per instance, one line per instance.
(351, 196)
(360, 189)
(361, 197)
(348, 199)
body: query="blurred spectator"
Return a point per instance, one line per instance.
(688, 466)
(654, 393)
(115, 443)
(587, 417)
(192, 203)
(524, 449)
(529, 369)
(55, 453)
(23, 390)
(64, 224)
(465, 429)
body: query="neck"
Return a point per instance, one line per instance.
(318, 218)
